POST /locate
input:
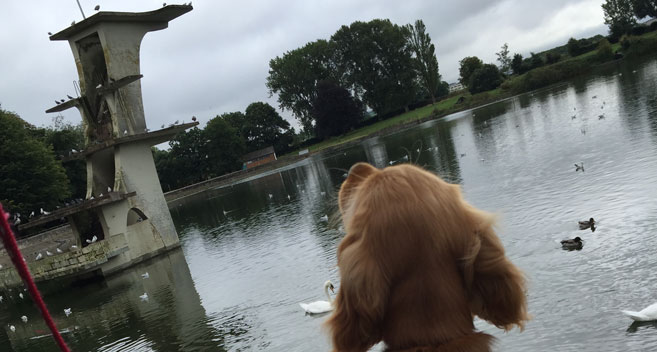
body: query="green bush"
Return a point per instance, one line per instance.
(604, 53)
(487, 77)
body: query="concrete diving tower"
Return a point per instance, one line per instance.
(124, 207)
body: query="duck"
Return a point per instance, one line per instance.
(575, 243)
(579, 167)
(647, 314)
(319, 307)
(590, 223)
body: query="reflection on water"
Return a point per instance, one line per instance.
(257, 248)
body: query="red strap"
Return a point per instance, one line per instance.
(17, 258)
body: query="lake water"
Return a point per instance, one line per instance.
(252, 251)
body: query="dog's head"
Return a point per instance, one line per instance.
(400, 216)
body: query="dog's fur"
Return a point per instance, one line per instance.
(416, 264)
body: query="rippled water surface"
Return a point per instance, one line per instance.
(252, 251)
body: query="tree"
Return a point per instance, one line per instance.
(374, 59)
(426, 64)
(619, 16)
(485, 78)
(604, 53)
(30, 178)
(294, 77)
(504, 59)
(187, 158)
(264, 127)
(516, 64)
(64, 137)
(468, 66)
(644, 8)
(535, 61)
(335, 110)
(224, 146)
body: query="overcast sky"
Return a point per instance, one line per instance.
(215, 59)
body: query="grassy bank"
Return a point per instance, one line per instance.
(534, 79)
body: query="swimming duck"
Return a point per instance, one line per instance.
(575, 243)
(583, 225)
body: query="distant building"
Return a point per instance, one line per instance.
(259, 157)
(455, 87)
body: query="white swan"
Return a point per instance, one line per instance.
(647, 314)
(318, 307)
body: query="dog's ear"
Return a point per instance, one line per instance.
(497, 287)
(355, 324)
(357, 174)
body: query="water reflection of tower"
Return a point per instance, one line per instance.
(376, 152)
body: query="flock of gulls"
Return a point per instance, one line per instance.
(68, 311)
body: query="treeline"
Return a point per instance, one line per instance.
(519, 74)
(327, 84)
(31, 177)
(202, 153)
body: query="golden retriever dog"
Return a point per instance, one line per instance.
(417, 263)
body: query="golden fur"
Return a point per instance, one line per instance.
(416, 264)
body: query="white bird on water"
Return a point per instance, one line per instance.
(647, 314)
(24, 319)
(144, 297)
(67, 311)
(324, 218)
(318, 307)
(145, 275)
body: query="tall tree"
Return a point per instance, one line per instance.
(504, 59)
(30, 178)
(224, 147)
(335, 110)
(426, 63)
(619, 16)
(264, 127)
(64, 137)
(467, 66)
(375, 61)
(294, 77)
(644, 8)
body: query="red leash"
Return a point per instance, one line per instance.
(17, 258)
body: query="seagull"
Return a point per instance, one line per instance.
(63, 100)
(49, 33)
(579, 167)
(100, 195)
(92, 240)
(99, 86)
(48, 253)
(193, 117)
(58, 250)
(144, 297)
(31, 214)
(17, 221)
(12, 328)
(56, 102)
(391, 162)
(288, 197)
(164, 4)
(20, 294)
(38, 257)
(125, 132)
(573, 117)
(162, 126)
(271, 196)
(324, 218)
(145, 275)
(67, 311)
(462, 155)
(72, 23)
(74, 247)
(1, 299)
(68, 96)
(97, 7)
(322, 193)
(600, 117)
(43, 212)
(24, 319)
(176, 122)
(109, 189)
(647, 314)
